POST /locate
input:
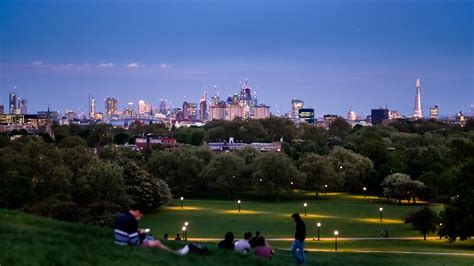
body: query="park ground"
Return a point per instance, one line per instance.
(31, 240)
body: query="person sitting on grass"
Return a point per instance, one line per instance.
(253, 240)
(263, 249)
(165, 236)
(127, 232)
(177, 238)
(228, 242)
(242, 246)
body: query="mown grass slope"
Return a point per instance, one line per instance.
(31, 240)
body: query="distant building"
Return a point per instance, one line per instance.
(54, 115)
(218, 111)
(306, 114)
(31, 123)
(351, 115)
(12, 103)
(234, 111)
(203, 108)
(220, 147)
(418, 112)
(261, 111)
(166, 142)
(92, 108)
(144, 108)
(22, 106)
(434, 112)
(2, 109)
(70, 115)
(111, 106)
(379, 116)
(296, 105)
(328, 119)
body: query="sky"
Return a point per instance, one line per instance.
(333, 54)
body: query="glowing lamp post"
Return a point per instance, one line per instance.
(184, 231)
(325, 189)
(319, 226)
(381, 211)
(186, 225)
(305, 206)
(181, 199)
(365, 191)
(335, 239)
(238, 202)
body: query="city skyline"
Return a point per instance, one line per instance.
(335, 56)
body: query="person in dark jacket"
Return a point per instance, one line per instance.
(297, 248)
(127, 232)
(228, 242)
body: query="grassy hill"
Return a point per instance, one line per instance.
(31, 240)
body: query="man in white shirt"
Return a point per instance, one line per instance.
(242, 246)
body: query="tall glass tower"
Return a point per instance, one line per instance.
(418, 113)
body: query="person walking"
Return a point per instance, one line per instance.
(297, 248)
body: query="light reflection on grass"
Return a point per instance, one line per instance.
(377, 220)
(178, 208)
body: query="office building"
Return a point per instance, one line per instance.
(418, 113)
(296, 105)
(12, 103)
(306, 114)
(434, 112)
(379, 116)
(111, 106)
(261, 111)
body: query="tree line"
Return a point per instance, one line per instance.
(85, 174)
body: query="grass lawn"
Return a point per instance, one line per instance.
(351, 215)
(31, 240)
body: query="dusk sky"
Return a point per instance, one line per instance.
(331, 54)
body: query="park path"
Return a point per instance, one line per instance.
(326, 239)
(356, 250)
(391, 252)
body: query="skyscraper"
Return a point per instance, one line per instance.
(111, 106)
(92, 108)
(418, 113)
(434, 112)
(379, 116)
(2, 109)
(296, 105)
(203, 107)
(23, 106)
(12, 103)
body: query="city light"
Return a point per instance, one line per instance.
(336, 233)
(319, 226)
(305, 206)
(381, 210)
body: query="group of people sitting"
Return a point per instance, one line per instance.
(127, 233)
(243, 246)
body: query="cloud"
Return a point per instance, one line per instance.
(164, 66)
(132, 65)
(37, 63)
(106, 65)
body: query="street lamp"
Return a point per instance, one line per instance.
(238, 202)
(182, 198)
(305, 205)
(365, 191)
(184, 231)
(381, 210)
(325, 189)
(335, 238)
(319, 225)
(186, 225)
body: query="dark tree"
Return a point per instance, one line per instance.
(424, 220)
